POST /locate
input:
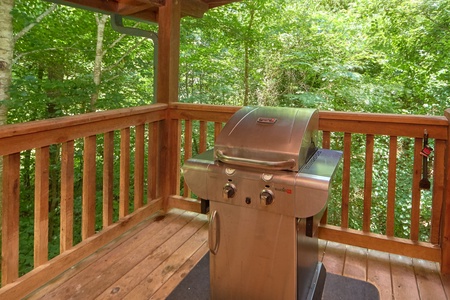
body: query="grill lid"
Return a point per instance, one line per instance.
(276, 138)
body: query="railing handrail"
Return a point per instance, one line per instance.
(438, 124)
(402, 125)
(19, 137)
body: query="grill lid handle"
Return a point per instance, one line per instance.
(254, 163)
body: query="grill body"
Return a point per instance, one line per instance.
(268, 186)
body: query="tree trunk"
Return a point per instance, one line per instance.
(6, 55)
(247, 45)
(101, 22)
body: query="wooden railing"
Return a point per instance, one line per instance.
(337, 129)
(117, 204)
(154, 142)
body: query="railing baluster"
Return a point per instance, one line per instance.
(438, 190)
(326, 137)
(203, 136)
(10, 218)
(187, 151)
(392, 180)
(153, 162)
(368, 183)
(89, 188)
(41, 206)
(67, 169)
(108, 177)
(217, 129)
(415, 206)
(346, 179)
(124, 172)
(139, 167)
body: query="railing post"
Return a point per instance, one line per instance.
(445, 240)
(167, 92)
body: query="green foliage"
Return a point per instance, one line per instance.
(369, 56)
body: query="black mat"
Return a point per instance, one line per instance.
(195, 286)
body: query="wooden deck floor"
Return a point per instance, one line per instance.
(149, 261)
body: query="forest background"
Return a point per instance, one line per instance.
(363, 55)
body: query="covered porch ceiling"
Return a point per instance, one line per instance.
(144, 10)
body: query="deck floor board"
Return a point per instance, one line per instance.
(150, 260)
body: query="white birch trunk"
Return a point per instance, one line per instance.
(6, 55)
(101, 21)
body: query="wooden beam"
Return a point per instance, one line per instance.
(216, 3)
(194, 8)
(97, 6)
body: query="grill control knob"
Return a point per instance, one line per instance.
(266, 197)
(229, 190)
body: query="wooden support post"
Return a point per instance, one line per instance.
(445, 240)
(167, 92)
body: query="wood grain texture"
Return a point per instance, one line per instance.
(124, 177)
(150, 268)
(428, 280)
(378, 272)
(10, 218)
(438, 179)
(45, 273)
(346, 179)
(380, 242)
(404, 283)
(41, 193)
(108, 178)
(139, 166)
(67, 191)
(415, 190)
(153, 164)
(392, 179)
(368, 182)
(89, 187)
(187, 151)
(445, 230)
(356, 263)
(36, 134)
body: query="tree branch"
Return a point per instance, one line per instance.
(39, 50)
(125, 55)
(118, 40)
(31, 25)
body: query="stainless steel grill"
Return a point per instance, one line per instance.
(268, 186)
